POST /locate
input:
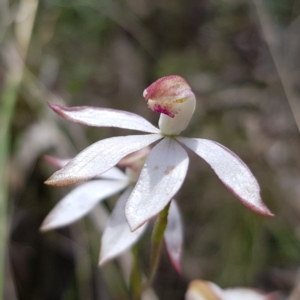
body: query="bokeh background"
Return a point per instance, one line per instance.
(241, 58)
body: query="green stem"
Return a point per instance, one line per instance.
(7, 104)
(157, 238)
(136, 278)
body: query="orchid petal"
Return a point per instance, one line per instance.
(161, 177)
(206, 290)
(80, 201)
(246, 294)
(99, 158)
(104, 117)
(113, 173)
(117, 236)
(174, 236)
(231, 170)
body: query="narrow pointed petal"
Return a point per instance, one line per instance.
(99, 158)
(174, 236)
(161, 177)
(117, 236)
(80, 201)
(104, 117)
(206, 290)
(248, 294)
(231, 170)
(113, 173)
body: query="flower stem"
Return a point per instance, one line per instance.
(8, 99)
(157, 238)
(136, 279)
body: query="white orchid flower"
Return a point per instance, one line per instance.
(117, 236)
(166, 165)
(206, 290)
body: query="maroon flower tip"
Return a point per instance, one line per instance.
(175, 264)
(165, 87)
(163, 110)
(54, 106)
(60, 110)
(268, 214)
(263, 210)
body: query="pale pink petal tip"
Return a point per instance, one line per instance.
(263, 209)
(259, 207)
(59, 110)
(176, 266)
(64, 111)
(55, 107)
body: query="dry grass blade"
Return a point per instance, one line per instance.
(14, 62)
(274, 42)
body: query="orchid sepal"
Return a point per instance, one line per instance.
(231, 170)
(89, 164)
(206, 290)
(80, 201)
(104, 117)
(161, 177)
(117, 236)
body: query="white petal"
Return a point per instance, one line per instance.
(104, 117)
(245, 294)
(117, 236)
(99, 158)
(174, 236)
(99, 214)
(113, 173)
(80, 201)
(206, 290)
(162, 176)
(231, 170)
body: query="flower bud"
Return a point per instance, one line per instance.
(173, 98)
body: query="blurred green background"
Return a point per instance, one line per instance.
(241, 58)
